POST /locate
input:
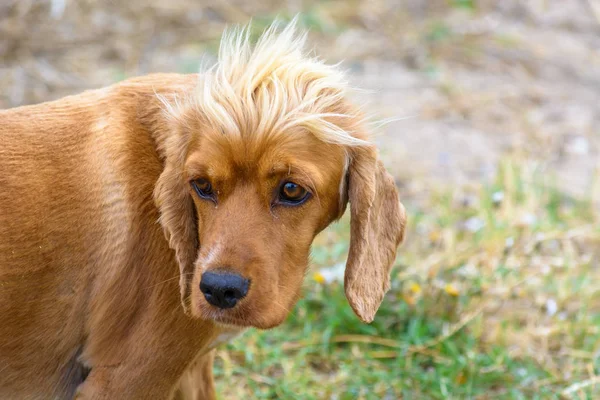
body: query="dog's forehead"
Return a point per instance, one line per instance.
(217, 154)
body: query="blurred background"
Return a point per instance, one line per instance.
(490, 117)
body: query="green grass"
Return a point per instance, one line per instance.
(470, 314)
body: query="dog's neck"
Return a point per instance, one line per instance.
(147, 272)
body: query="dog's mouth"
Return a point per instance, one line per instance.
(226, 317)
(234, 316)
(232, 321)
(238, 316)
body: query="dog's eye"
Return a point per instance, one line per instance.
(292, 193)
(203, 188)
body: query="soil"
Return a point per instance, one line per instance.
(465, 84)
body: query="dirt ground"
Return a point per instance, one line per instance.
(469, 81)
(472, 83)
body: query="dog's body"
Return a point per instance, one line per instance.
(89, 286)
(83, 261)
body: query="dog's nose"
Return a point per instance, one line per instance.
(223, 290)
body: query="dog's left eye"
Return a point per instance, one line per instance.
(292, 193)
(203, 188)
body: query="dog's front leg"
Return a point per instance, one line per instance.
(197, 382)
(131, 381)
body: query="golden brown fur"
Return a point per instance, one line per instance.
(92, 184)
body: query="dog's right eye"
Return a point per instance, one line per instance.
(292, 194)
(203, 188)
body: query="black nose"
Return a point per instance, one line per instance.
(223, 290)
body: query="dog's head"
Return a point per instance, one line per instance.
(262, 157)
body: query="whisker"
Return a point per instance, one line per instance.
(168, 280)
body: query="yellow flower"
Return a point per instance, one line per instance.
(319, 278)
(434, 236)
(451, 290)
(415, 288)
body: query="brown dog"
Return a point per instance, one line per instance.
(240, 167)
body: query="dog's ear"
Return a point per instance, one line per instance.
(177, 213)
(377, 226)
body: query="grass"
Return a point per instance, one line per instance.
(493, 296)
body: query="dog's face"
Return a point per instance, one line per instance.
(260, 159)
(260, 202)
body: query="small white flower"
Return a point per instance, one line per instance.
(551, 307)
(527, 219)
(497, 197)
(578, 146)
(546, 269)
(474, 224)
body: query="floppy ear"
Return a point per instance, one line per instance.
(177, 213)
(377, 222)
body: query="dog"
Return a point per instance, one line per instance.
(144, 223)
